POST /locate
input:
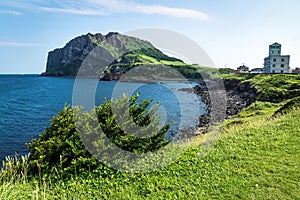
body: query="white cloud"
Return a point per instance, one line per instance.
(120, 6)
(174, 12)
(72, 11)
(17, 44)
(104, 7)
(10, 12)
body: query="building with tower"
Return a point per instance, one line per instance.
(242, 69)
(275, 62)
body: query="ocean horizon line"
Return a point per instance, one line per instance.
(21, 74)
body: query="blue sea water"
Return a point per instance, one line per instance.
(29, 102)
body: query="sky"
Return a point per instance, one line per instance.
(232, 32)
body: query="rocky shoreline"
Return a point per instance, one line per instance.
(224, 98)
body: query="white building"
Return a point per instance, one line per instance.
(276, 63)
(257, 71)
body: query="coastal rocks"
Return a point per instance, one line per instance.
(238, 95)
(185, 135)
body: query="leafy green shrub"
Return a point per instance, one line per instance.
(62, 148)
(126, 128)
(59, 146)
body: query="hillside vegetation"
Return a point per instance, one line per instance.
(91, 54)
(272, 87)
(255, 157)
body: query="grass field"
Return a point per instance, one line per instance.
(256, 157)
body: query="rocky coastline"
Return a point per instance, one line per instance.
(238, 95)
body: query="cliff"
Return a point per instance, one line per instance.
(113, 49)
(238, 95)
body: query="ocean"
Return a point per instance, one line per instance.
(29, 102)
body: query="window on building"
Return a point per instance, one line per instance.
(281, 71)
(282, 59)
(282, 65)
(274, 59)
(273, 65)
(273, 71)
(272, 51)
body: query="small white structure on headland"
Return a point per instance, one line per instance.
(276, 63)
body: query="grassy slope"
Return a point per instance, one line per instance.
(143, 53)
(275, 86)
(257, 158)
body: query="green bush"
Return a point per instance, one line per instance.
(61, 146)
(130, 130)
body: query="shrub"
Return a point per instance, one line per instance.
(130, 130)
(62, 148)
(59, 146)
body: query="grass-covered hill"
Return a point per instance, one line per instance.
(255, 157)
(102, 52)
(95, 54)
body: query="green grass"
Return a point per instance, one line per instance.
(255, 159)
(274, 87)
(148, 59)
(288, 106)
(176, 63)
(145, 59)
(255, 111)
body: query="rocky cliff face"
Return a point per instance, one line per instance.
(108, 48)
(231, 96)
(239, 95)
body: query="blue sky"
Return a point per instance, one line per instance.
(232, 32)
